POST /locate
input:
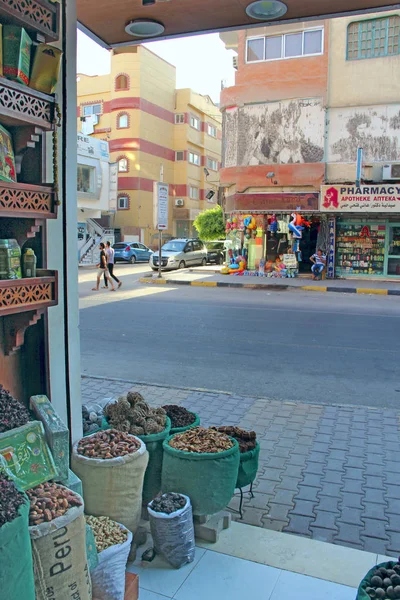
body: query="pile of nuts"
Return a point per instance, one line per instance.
(106, 532)
(180, 416)
(108, 444)
(200, 439)
(246, 439)
(133, 415)
(12, 413)
(50, 501)
(168, 503)
(385, 583)
(10, 500)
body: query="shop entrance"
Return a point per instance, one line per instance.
(393, 257)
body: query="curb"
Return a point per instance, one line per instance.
(275, 287)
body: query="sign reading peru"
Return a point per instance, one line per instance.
(364, 198)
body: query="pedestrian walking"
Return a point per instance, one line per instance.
(110, 265)
(319, 261)
(103, 270)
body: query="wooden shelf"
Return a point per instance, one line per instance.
(24, 295)
(21, 105)
(36, 16)
(20, 200)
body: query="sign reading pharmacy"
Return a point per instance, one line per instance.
(364, 198)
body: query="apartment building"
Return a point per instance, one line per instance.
(155, 132)
(312, 125)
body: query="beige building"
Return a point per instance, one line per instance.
(154, 131)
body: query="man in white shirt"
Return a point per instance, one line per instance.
(110, 265)
(319, 261)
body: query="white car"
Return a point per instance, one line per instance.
(180, 253)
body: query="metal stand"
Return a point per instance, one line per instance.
(240, 511)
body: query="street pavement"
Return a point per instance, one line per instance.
(287, 346)
(329, 473)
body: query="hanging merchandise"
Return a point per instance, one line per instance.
(15, 544)
(111, 465)
(58, 544)
(172, 530)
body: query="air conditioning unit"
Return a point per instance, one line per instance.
(391, 172)
(235, 62)
(179, 202)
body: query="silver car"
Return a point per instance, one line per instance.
(180, 253)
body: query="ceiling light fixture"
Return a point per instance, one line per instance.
(265, 10)
(143, 28)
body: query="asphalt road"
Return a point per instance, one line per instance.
(292, 345)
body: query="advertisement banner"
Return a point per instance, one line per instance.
(112, 207)
(160, 206)
(330, 261)
(375, 198)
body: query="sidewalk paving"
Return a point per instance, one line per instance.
(209, 277)
(328, 473)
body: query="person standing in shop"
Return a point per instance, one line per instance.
(110, 266)
(102, 269)
(319, 261)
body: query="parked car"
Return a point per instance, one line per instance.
(216, 252)
(180, 253)
(131, 252)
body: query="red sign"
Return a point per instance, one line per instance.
(272, 202)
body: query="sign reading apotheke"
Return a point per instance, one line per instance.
(364, 198)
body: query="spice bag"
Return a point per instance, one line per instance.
(195, 423)
(113, 487)
(248, 467)
(16, 568)
(108, 578)
(59, 557)
(152, 478)
(361, 592)
(209, 479)
(173, 534)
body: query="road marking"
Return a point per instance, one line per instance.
(372, 291)
(204, 283)
(313, 288)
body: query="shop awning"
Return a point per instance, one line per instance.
(105, 20)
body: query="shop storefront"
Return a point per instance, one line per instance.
(367, 240)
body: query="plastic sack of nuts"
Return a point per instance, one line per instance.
(173, 533)
(111, 465)
(108, 578)
(58, 543)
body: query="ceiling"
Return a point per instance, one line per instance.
(105, 20)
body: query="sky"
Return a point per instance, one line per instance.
(201, 61)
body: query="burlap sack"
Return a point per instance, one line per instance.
(59, 557)
(113, 487)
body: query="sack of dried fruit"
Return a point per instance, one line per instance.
(16, 566)
(249, 453)
(113, 542)
(382, 581)
(58, 537)
(171, 526)
(203, 464)
(181, 418)
(111, 465)
(132, 414)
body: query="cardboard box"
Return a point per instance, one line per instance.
(7, 160)
(25, 456)
(17, 48)
(73, 483)
(57, 433)
(45, 69)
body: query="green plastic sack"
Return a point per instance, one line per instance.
(195, 423)
(361, 593)
(16, 567)
(248, 467)
(152, 476)
(209, 479)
